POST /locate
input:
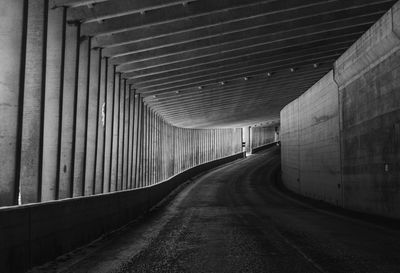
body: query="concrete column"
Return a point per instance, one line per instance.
(157, 166)
(151, 147)
(140, 146)
(159, 162)
(115, 131)
(54, 54)
(92, 110)
(80, 118)
(120, 134)
(143, 146)
(108, 121)
(67, 135)
(32, 105)
(130, 120)
(125, 135)
(146, 147)
(12, 29)
(100, 127)
(136, 135)
(178, 147)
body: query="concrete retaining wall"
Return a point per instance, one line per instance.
(341, 139)
(310, 142)
(368, 75)
(261, 135)
(36, 233)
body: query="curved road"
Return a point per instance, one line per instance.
(233, 219)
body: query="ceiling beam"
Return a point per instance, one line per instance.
(192, 10)
(258, 70)
(225, 33)
(110, 9)
(250, 63)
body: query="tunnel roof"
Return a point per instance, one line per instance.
(223, 63)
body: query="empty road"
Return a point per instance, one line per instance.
(234, 219)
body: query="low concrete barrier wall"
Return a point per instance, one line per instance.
(34, 234)
(264, 147)
(341, 139)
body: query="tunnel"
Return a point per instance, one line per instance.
(199, 136)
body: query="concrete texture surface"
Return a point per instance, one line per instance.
(55, 23)
(234, 219)
(290, 146)
(319, 146)
(33, 86)
(67, 122)
(34, 234)
(348, 127)
(261, 135)
(10, 51)
(369, 81)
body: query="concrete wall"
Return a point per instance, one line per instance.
(347, 127)
(368, 75)
(262, 135)
(36, 233)
(310, 142)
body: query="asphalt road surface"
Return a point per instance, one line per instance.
(234, 219)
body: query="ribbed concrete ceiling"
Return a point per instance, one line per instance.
(217, 63)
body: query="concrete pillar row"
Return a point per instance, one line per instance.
(73, 126)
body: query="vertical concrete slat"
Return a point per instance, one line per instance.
(80, 119)
(136, 135)
(31, 136)
(91, 120)
(118, 175)
(150, 145)
(142, 144)
(67, 135)
(123, 138)
(61, 102)
(130, 120)
(145, 145)
(54, 47)
(139, 163)
(108, 121)
(100, 128)
(115, 142)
